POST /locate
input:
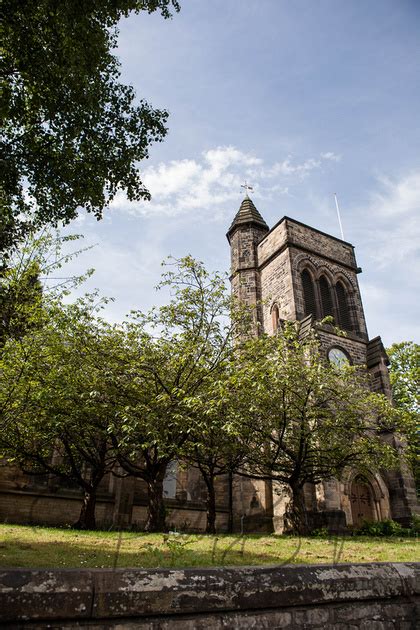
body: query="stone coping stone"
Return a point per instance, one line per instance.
(82, 594)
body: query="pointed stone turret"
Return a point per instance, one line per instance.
(247, 215)
(247, 230)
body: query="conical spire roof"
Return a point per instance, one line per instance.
(247, 213)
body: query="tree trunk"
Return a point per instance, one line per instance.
(211, 505)
(230, 502)
(87, 513)
(296, 517)
(156, 515)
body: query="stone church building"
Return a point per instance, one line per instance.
(295, 272)
(289, 272)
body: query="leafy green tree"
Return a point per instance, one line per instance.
(310, 419)
(404, 373)
(72, 133)
(218, 440)
(178, 349)
(57, 400)
(29, 280)
(20, 301)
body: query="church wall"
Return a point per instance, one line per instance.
(243, 247)
(11, 477)
(182, 518)
(49, 509)
(61, 509)
(379, 379)
(334, 272)
(355, 348)
(245, 287)
(276, 288)
(324, 245)
(122, 501)
(272, 243)
(251, 502)
(289, 232)
(245, 277)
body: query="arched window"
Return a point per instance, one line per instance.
(308, 293)
(344, 318)
(275, 317)
(326, 299)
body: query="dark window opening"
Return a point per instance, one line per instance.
(308, 293)
(326, 299)
(344, 318)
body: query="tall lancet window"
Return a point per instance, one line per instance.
(308, 293)
(344, 318)
(326, 299)
(275, 317)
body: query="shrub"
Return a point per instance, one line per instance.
(415, 524)
(387, 527)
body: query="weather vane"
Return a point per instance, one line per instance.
(247, 187)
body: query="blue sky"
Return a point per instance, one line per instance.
(302, 99)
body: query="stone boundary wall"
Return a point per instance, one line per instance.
(377, 596)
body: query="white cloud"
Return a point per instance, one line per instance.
(331, 156)
(389, 240)
(209, 184)
(286, 168)
(398, 197)
(394, 217)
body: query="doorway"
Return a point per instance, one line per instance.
(361, 499)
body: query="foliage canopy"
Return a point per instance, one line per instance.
(311, 419)
(72, 132)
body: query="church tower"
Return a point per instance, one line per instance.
(298, 273)
(247, 230)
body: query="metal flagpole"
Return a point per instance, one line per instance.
(338, 214)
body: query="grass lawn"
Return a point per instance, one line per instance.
(26, 546)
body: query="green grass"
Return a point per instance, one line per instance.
(38, 547)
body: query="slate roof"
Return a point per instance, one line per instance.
(247, 213)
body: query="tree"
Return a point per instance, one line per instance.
(219, 439)
(20, 300)
(404, 373)
(72, 133)
(310, 419)
(178, 348)
(28, 282)
(57, 400)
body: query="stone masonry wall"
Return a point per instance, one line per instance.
(59, 510)
(282, 254)
(48, 509)
(295, 233)
(355, 348)
(326, 597)
(274, 241)
(277, 288)
(325, 245)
